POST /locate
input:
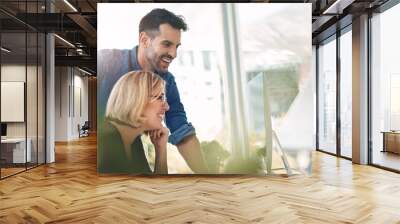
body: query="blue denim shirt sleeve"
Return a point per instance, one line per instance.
(182, 132)
(175, 117)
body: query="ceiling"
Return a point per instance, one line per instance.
(76, 22)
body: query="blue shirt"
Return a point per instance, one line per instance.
(113, 63)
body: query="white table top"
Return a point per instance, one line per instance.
(13, 140)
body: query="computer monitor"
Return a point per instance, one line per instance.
(3, 129)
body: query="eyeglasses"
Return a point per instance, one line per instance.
(160, 98)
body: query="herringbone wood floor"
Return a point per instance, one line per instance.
(70, 191)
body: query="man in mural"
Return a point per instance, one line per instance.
(159, 39)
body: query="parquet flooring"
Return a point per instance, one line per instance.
(10, 171)
(71, 191)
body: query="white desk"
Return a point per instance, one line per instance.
(18, 150)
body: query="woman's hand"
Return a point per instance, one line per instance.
(159, 139)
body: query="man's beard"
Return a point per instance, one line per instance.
(155, 63)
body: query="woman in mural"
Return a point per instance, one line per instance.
(136, 105)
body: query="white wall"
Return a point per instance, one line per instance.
(61, 103)
(16, 73)
(33, 126)
(80, 93)
(70, 83)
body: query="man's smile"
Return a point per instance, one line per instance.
(166, 59)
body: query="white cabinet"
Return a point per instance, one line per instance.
(18, 149)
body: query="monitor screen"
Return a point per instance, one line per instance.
(3, 129)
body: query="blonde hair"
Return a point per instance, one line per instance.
(130, 95)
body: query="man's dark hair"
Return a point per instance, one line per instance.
(152, 21)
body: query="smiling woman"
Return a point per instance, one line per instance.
(136, 105)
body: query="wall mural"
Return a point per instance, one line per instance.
(184, 93)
